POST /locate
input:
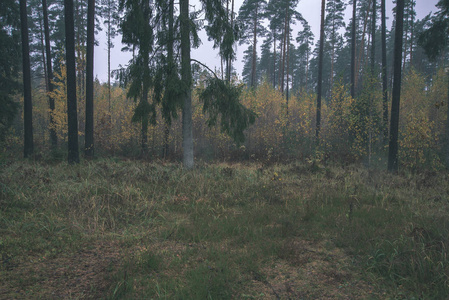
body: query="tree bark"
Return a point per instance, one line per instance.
(28, 148)
(51, 101)
(72, 114)
(394, 125)
(384, 75)
(186, 76)
(320, 73)
(353, 42)
(254, 61)
(89, 130)
(373, 38)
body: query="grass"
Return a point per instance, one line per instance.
(118, 229)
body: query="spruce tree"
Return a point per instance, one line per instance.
(137, 33)
(435, 41)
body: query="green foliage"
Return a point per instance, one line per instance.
(222, 102)
(9, 63)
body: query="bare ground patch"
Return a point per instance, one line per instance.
(81, 275)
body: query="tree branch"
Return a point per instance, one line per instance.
(198, 62)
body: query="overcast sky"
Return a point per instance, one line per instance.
(310, 10)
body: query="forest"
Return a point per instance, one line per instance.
(319, 170)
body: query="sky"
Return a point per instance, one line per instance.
(310, 10)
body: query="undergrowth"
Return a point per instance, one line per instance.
(134, 229)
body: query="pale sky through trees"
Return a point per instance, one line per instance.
(310, 10)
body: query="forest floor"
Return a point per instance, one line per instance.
(117, 229)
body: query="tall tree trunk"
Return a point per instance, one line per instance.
(109, 60)
(51, 101)
(274, 59)
(41, 37)
(320, 73)
(394, 125)
(404, 57)
(384, 75)
(373, 38)
(186, 76)
(28, 148)
(171, 68)
(362, 47)
(287, 87)
(284, 47)
(89, 130)
(353, 42)
(254, 61)
(447, 125)
(72, 113)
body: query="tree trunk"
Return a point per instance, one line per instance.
(373, 38)
(447, 125)
(394, 125)
(51, 101)
(320, 73)
(274, 59)
(109, 61)
(284, 47)
(170, 70)
(254, 61)
(384, 75)
(89, 130)
(28, 148)
(361, 48)
(187, 134)
(72, 114)
(353, 42)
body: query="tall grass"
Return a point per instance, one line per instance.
(224, 231)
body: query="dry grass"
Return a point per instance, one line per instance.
(133, 229)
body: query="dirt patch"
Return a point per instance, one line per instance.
(78, 275)
(311, 271)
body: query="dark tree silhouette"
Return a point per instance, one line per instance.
(72, 115)
(51, 101)
(28, 148)
(186, 77)
(89, 130)
(353, 41)
(320, 73)
(384, 74)
(397, 77)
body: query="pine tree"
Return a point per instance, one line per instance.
(305, 41)
(49, 77)
(72, 114)
(110, 13)
(250, 19)
(320, 72)
(9, 63)
(353, 47)
(186, 77)
(384, 74)
(333, 22)
(394, 123)
(89, 131)
(27, 102)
